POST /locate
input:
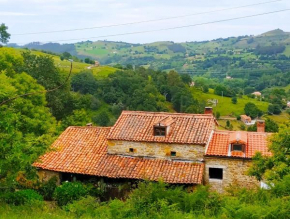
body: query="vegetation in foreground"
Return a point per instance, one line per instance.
(157, 200)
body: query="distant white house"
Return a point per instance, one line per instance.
(247, 120)
(257, 93)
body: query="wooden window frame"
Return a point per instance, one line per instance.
(160, 131)
(241, 145)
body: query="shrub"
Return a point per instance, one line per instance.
(84, 206)
(68, 192)
(47, 189)
(22, 197)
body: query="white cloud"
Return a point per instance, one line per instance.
(9, 13)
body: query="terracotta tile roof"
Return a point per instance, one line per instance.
(184, 128)
(83, 150)
(219, 144)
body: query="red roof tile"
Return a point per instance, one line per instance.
(83, 150)
(184, 128)
(254, 141)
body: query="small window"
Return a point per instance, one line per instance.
(173, 153)
(131, 150)
(237, 147)
(215, 173)
(159, 131)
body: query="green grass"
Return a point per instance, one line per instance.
(287, 51)
(103, 71)
(225, 105)
(63, 65)
(235, 123)
(280, 119)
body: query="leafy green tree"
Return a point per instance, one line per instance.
(276, 167)
(102, 119)
(270, 126)
(234, 100)
(228, 123)
(222, 90)
(274, 109)
(218, 115)
(26, 128)
(186, 78)
(42, 68)
(84, 82)
(252, 110)
(4, 35)
(77, 118)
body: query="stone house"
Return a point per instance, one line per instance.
(177, 148)
(228, 157)
(246, 119)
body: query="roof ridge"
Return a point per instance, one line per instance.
(89, 127)
(166, 113)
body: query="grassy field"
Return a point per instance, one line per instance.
(280, 119)
(103, 71)
(235, 123)
(225, 105)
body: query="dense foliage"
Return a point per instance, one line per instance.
(27, 126)
(158, 200)
(274, 168)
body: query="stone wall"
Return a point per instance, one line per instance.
(234, 173)
(45, 175)
(157, 150)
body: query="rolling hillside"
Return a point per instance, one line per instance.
(217, 57)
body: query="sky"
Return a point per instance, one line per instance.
(34, 16)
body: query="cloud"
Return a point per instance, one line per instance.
(9, 13)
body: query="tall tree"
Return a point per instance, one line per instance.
(4, 35)
(276, 167)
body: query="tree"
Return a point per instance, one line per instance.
(274, 109)
(27, 127)
(84, 82)
(102, 119)
(4, 35)
(234, 100)
(252, 110)
(274, 168)
(42, 68)
(270, 126)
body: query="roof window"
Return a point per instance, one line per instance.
(159, 131)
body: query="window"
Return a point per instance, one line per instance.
(159, 131)
(131, 150)
(237, 147)
(173, 153)
(215, 173)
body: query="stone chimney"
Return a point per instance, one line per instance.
(208, 110)
(260, 125)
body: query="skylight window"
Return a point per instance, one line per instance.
(238, 147)
(159, 131)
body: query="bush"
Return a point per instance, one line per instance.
(47, 188)
(68, 192)
(22, 197)
(84, 206)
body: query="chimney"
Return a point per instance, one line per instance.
(208, 110)
(260, 125)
